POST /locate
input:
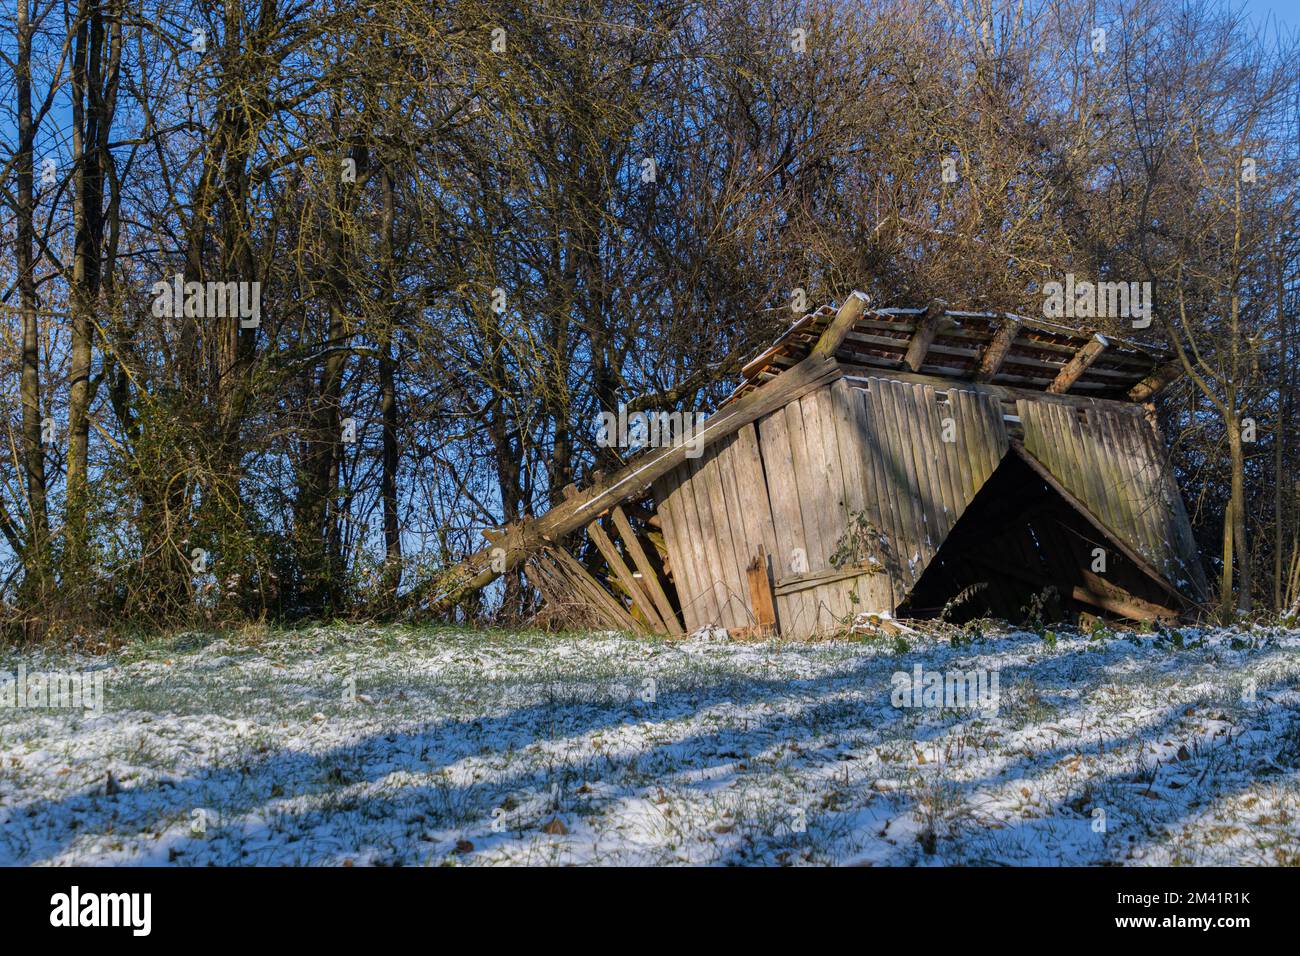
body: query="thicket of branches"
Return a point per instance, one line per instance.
(476, 225)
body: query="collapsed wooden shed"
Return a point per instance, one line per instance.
(901, 461)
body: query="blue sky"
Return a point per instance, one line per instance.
(1286, 12)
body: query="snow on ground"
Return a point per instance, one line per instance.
(367, 745)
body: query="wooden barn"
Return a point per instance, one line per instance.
(909, 462)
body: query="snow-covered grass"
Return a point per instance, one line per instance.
(391, 745)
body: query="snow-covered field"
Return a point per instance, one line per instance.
(369, 745)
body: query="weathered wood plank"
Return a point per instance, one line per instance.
(732, 550)
(794, 612)
(751, 492)
(1134, 487)
(905, 495)
(704, 599)
(649, 579)
(1146, 476)
(966, 408)
(804, 429)
(946, 505)
(713, 565)
(806, 481)
(673, 535)
(879, 500)
(954, 498)
(835, 523)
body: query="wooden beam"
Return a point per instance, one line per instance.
(1157, 381)
(927, 327)
(1131, 607)
(1123, 602)
(1072, 369)
(1004, 393)
(793, 583)
(635, 478)
(995, 353)
(834, 334)
(649, 578)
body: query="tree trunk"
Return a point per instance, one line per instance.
(36, 553)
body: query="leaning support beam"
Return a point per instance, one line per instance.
(513, 543)
(1125, 605)
(995, 353)
(927, 327)
(1133, 608)
(1081, 362)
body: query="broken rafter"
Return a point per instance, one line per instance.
(995, 353)
(1082, 360)
(927, 327)
(840, 326)
(1157, 381)
(630, 584)
(522, 538)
